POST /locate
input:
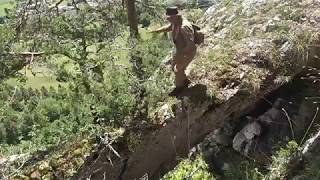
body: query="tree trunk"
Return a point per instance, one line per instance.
(141, 107)
(132, 18)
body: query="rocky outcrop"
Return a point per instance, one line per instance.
(244, 139)
(287, 114)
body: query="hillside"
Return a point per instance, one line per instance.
(111, 117)
(251, 49)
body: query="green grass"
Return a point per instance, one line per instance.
(5, 4)
(41, 79)
(5, 1)
(37, 82)
(122, 41)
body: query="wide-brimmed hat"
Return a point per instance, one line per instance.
(171, 11)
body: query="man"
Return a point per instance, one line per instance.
(185, 47)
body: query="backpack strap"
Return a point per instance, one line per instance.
(196, 27)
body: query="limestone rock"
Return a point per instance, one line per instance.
(238, 141)
(220, 138)
(243, 139)
(249, 6)
(252, 130)
(300, 177)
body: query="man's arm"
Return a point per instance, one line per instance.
(166, 28)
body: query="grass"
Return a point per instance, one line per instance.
(5, 4)
(36, 82)
(122, 42)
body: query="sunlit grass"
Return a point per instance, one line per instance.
(5, 4)
(41, 78)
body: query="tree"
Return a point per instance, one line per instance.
(81, 33)
(141, 107)
(10, 63)
(132, 18)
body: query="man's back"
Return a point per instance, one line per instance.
(184, 37)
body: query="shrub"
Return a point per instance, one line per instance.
(189, 169)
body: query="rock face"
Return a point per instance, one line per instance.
(288, 117)
(243, 59)
(243, 141)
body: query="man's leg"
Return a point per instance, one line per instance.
(180, 75)
(179, 64)
(181, 79)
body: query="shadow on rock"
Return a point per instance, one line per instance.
(196, 93)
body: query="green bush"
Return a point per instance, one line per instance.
(195, 14)
(62, 75)
(188, 169)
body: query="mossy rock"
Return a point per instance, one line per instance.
(77, 152)
(48, 176)
(45, 167)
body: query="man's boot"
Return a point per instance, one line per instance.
(176, 91)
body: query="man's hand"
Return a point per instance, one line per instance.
(152, 31)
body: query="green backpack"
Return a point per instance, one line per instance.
(198, 35)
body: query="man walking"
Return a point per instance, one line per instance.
(185, 47)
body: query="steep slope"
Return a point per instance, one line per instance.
(251, 49)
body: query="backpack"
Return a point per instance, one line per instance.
(198, 35)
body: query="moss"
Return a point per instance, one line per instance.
(280, 161)
(290, 13)
(243, 170)
(282, 28)
(44, 167)
(21, 177)
(194, 14)
(66, 161)
(134, 139)
(239, 32)
(54, 162)
(48, 176)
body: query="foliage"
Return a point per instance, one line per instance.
(5, 4)
(244, 170)
(103, 91)
(280, 161)
(9, 64)
(190, 4)
(152, 51)
(150, 12)
(311, 170)
(41, 120)
(241, 168)
(194, 15)
(98, 92)
(190, 169)
(277, 170)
